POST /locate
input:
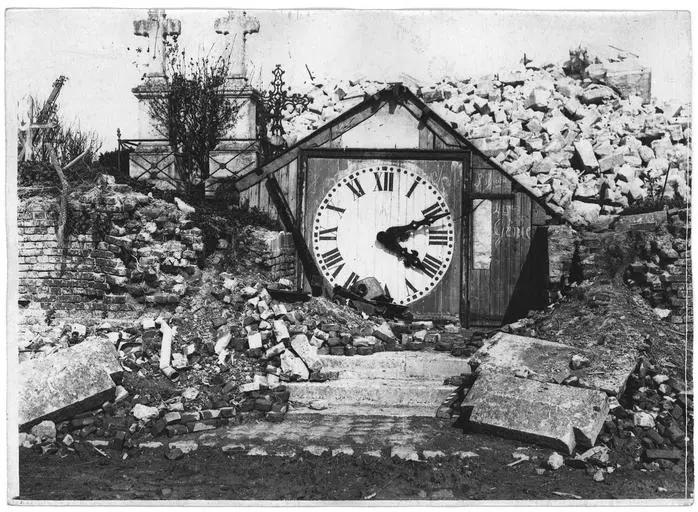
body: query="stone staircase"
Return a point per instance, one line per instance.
(382, 384)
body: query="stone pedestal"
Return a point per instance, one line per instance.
(153, 158)
(238, 153)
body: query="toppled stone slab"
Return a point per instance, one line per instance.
(549, 414)
(547, 361)
(294, 366)
(306, 352)
(67, 382)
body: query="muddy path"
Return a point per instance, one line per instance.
(210, 474)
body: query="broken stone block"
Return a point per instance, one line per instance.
(172, 417)
(274, 350)
(643, 419)
(249, 387)
(306, 352)
(254, 340)
(144, 412)
(364, 341)
(294, 366)
(596, 94)
(555, 461)
(248, 291)
(579, 361)
(190, 393)
(550, 362)
(67, 382)
(585, 158)
(607, 163)
(281, 331)
(384, 333)
(44, 431)
(549, 414)
(404, 452)
(538, 99)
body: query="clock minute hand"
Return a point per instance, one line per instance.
(400, 232)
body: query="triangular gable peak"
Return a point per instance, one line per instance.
(397, 131)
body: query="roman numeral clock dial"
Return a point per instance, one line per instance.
(385, 199)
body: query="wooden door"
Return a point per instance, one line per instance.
(500, 239)
(350, 198)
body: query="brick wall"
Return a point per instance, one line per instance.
(282, 257)
(652, 249)
(144, 254)
(71, 282)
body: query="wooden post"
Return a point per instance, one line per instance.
(309, 267)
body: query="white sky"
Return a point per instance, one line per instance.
(90, 47)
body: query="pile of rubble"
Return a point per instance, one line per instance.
(122, 251)
(145, 397)
(646, 427)
(291, 336)
(650, 420)
(579, 136)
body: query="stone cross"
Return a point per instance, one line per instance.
(156, 28)
(236, 27)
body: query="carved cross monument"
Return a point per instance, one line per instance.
(236, 28)
(153, 158)
(239, 152)
(157, 27)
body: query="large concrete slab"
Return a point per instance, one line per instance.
(67, 382)
(550, 362)
(550, 414)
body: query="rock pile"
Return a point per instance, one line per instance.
(291, 336)
(649, 422)
(576, 136)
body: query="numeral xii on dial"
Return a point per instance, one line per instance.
(384, 181)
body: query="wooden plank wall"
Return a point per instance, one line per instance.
(488, 294)
(258, 196)
(491, 290)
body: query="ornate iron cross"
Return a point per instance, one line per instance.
(276, 101)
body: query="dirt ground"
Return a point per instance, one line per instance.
(210, 474)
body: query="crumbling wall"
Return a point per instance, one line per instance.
(650, 252)
(121, 249)
(283, 257)
(75, 281)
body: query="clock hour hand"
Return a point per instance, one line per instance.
(410, 258)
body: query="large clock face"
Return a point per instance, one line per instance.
(369, 201)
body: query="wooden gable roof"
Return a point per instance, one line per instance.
(396, 94)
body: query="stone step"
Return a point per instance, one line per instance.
(373, 392)
(355, 410)
(397, 365)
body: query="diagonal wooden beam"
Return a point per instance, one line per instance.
(319, 137)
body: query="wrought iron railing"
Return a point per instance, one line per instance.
(156, 169)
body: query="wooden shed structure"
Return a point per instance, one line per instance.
(495, 231)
